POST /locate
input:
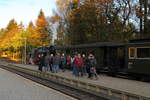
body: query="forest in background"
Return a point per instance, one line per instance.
(89, 21)
(79, 22)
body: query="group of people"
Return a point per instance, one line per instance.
(81, 65)
(52, 62)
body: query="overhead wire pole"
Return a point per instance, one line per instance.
(25, 52)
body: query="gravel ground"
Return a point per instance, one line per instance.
(15, 87)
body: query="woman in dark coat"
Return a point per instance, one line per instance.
(42, 62)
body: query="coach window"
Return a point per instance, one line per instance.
(143, 53)
(132, 53)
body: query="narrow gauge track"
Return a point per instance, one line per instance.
(73, 92)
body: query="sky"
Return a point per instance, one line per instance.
(24, 10)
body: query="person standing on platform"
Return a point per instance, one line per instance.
(93, 63)
(69, 59)
(31, 60)
(37, 61)
(79, 64)
(74, 66)
(84, 64)
(51, 62)
(88, 65)
(63, 62)
(42, 62)
(47, 59)
(56, 63)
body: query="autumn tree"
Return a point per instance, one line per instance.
(32, 36)
(42, 30)
(11, 31)
(8, 43)
(15, 37)
(2, 33)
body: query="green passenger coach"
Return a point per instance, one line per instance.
(139, 58)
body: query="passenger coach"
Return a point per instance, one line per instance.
(110, 56)
(138, 59)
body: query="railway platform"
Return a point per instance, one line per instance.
(14, 87)
(118, 87)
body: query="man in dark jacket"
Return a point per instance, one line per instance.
(63, 62)
(51, 62)
(93, 63)
(88, 66)
(47, 60)
(56, 63)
